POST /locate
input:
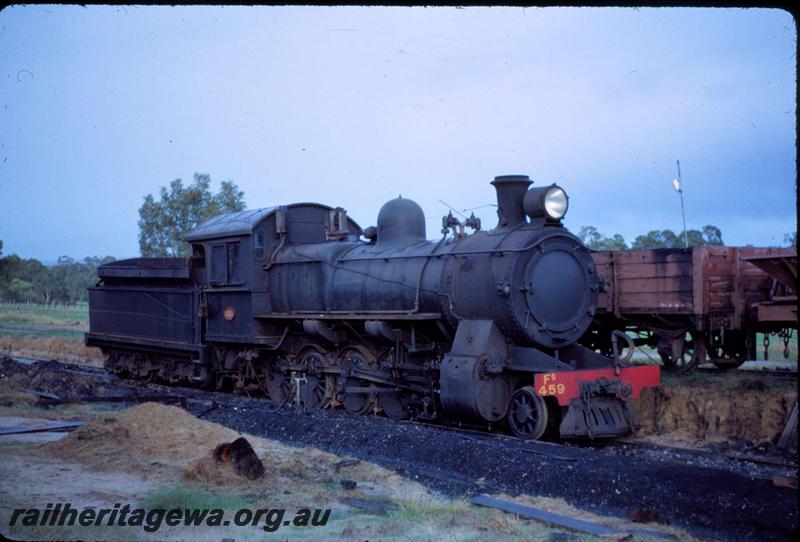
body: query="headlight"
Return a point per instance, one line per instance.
(546, 202)
(556, 202)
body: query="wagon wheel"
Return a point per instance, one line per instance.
(726, 363)
(527, 414)
(356, 358)
(315, 390)
(683, 353)
(730, 355)
(664, 349)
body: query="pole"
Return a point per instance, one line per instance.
(683, 212)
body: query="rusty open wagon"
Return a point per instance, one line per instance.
(699, 303)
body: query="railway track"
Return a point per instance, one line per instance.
(202, 402)
(707, 493)
(212, 401)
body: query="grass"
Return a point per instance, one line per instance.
(28, 318)
(731, 380)
(60, 333)
(194, 497)
(645, 354)
(44, 320)
(23, 313)
(427, 509)
(775, 349)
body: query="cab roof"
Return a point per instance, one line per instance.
(244, 222)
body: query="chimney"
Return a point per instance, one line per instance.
(511, 190)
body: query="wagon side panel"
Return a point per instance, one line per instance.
(658, 281)
(718, 284)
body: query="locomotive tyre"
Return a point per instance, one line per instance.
(356, 402)
(394, 405)
(527, 414)
(279, 386)
(315, 392)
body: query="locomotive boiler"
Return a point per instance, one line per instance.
(300, 303)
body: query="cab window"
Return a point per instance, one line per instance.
(226, 266)
(219, 272)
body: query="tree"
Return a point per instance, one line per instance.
(597, 241)
(592, 238)
(658, 239)
(710, 235)
(21, 291)
(1, 247)
(790, 239)
(163, 223)
(617, 242)
(589, 235)
(29, 280)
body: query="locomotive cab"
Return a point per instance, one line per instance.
(238, 247)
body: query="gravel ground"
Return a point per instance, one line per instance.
(705, 492)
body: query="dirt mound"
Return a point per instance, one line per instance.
(44, 347)
(167, 443)
(742, 411)
(49, 376)
(149, 433)
(210, 472)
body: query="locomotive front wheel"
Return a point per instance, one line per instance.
(527, 414)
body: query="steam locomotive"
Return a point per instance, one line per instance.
(299, 303)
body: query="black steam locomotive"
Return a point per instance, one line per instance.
(480, 328)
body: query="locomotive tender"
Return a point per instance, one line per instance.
(477, 328)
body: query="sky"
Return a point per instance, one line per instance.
(353, 106)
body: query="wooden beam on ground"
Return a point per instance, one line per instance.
(561, 520)
(545, 516)
(40, 428)
(789, 436)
